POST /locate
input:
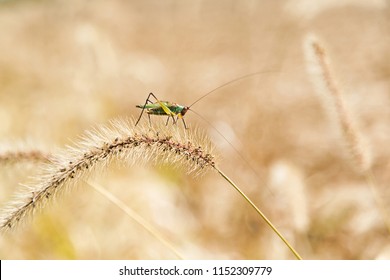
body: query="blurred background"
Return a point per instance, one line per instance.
(66, 66)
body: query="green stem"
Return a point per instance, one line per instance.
(259, 212)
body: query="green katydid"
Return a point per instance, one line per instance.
(163, 108)
(172, 110)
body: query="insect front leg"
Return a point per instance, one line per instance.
(185, 126)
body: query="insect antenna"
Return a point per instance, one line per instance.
(232, 146)
(233, 81)
(227, 141)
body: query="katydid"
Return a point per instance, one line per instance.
(172, 110)
(163, 108)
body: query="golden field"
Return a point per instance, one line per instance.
(70, 66)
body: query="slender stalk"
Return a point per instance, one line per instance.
(133, 215)
(121, 142)
(259, 212)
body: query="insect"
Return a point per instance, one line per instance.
(163, 108)
(177, 111)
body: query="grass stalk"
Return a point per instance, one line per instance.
(269, 223)
(134, 215)
(123, 142)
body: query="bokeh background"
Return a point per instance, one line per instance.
(67, 65)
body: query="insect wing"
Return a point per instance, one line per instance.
(166, 107)
(160, 108)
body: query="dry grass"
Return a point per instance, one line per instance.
(66, 66)
(96, 150)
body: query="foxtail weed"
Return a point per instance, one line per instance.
(120, 141)
(319, 68)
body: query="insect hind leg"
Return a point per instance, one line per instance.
(143, 109)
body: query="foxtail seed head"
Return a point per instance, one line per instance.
(320, 71)
(121, 141)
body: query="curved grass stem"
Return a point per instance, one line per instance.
(119, 142)
(259, 212)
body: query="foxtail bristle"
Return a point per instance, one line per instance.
(325, 84)
(121, 141)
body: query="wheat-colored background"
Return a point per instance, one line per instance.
(66, 66)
